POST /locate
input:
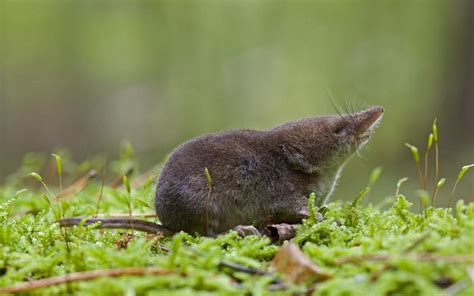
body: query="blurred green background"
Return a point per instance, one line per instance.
(84, 75)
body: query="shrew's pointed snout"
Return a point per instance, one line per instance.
(374, 113)
(366, 119)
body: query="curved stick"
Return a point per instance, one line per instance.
(119, 223)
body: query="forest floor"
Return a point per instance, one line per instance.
(357, 249)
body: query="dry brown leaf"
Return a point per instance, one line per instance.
(141, 179)
(78, 185)
(117, 182)
(281, 232)
(296, 267)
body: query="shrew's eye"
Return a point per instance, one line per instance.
(338, 130)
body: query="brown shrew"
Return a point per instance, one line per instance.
(221, 181)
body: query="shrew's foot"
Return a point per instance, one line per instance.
(246, 230)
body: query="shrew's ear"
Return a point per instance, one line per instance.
(296, 159)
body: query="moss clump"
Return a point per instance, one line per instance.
(369, 251)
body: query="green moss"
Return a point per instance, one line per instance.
(344, 244)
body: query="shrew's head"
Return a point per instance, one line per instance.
(327, 142)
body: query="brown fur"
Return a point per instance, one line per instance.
(257, 176)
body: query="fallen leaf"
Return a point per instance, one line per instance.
(296, 267)
(78, 185)
(281, 232)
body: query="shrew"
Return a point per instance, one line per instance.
(217, 182)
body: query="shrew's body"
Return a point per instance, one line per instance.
(217, 182)
(257, 176)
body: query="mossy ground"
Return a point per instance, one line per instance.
(368, 250)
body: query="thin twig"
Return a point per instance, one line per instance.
(436, 188)
(253, 271)
(85, 276)
(244, 269)
(119, 223)
(102, 184)
(241, 268)
(424, 257)
(420, 174)
(208, 197)
(425, 177)
(376, 274)
(416, 243)
(454, 289)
